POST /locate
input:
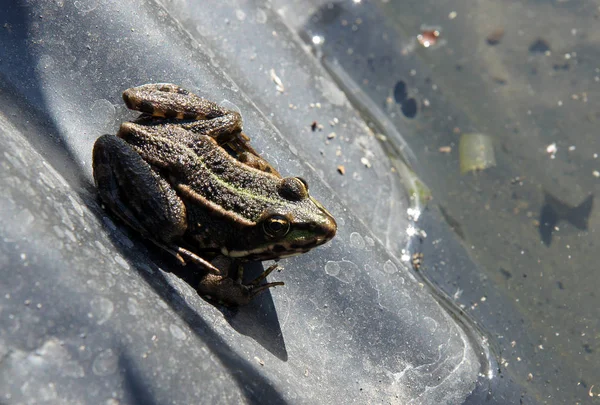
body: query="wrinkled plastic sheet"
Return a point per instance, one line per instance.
(90, 313)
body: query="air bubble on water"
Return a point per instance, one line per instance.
(389, 267)
(332, 268)
(357, 241)
(105, 363)
(102, 308)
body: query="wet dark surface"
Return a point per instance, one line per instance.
(92, 313)
(520, 261)
(500, 308)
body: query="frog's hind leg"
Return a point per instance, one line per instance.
(223, 129)
(136, 193)
(171, 101)
(196, 114)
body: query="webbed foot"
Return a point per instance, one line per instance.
(233, 292)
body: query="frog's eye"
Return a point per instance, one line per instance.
(276, 226)
(303, 182)
(293, 188)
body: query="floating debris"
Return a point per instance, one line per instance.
(476, 152)
(277, 81)
(495, 36)
(428, 37)
(341, 170)
(417, 260)
(551, 150)
(539, 46)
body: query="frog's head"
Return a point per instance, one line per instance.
(293, 224)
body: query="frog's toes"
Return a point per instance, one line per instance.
(227, 291)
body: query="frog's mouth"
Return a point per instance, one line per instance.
(279, 250)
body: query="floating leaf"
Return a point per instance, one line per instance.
(476, 152)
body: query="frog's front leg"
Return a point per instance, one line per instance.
(231, 291)
(136, 193)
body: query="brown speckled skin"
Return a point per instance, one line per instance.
(175, 177)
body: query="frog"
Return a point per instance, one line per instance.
(184, 176)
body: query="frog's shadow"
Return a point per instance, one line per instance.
(241, 369)
(257, 320)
